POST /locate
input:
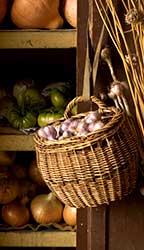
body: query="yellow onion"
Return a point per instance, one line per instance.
(36, 14)
(15, 214)
(70, 215)
(9, 188)
(46, 208)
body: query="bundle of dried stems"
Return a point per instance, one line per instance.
(129, 44)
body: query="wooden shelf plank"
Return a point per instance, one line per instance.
(19, 39)
(12, 139)
(38, 239)
(18, 142)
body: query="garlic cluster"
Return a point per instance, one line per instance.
(73, 126)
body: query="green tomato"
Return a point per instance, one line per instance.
(31, 98)
(20, 100)
(46, 118)
(19, 121)
(57, 98)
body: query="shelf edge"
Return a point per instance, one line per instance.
(20, 39)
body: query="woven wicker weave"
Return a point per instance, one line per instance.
(94, 169)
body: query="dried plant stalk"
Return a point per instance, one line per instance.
(131, 56)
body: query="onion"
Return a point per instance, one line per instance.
(35, 174)
(3, 9)
(46, 208)
(7, 158)
(15, 214)
(19, 170)
(70, 215)
(9, 188)
(69, 10)
(27, 190)
(36, 14)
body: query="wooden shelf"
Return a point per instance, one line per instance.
(45, 238)
(20, 39)
(14, 140)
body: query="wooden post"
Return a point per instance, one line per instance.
(91, 231)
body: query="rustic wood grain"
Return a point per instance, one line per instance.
(126, 223)
(32, 39)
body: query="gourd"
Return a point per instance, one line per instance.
(36, 14)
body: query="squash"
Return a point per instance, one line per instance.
(36, 14)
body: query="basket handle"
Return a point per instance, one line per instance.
(78, 99)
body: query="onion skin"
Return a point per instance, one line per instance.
(70, 215)
(29, 14)
(19, 170)
(15, 214)
(27, 189)
(3, 9)
(35, 174)
(9, 188)
(46, 208)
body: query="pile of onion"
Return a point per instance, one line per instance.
(3, 9)
(69, 11)
(70, 215)
(46, 208)
(36, 14)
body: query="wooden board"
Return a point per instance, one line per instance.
(14, 140)
(126, 224)
(38, 239)
(91, 228)
(20, 39)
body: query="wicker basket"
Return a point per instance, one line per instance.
(94, 169)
